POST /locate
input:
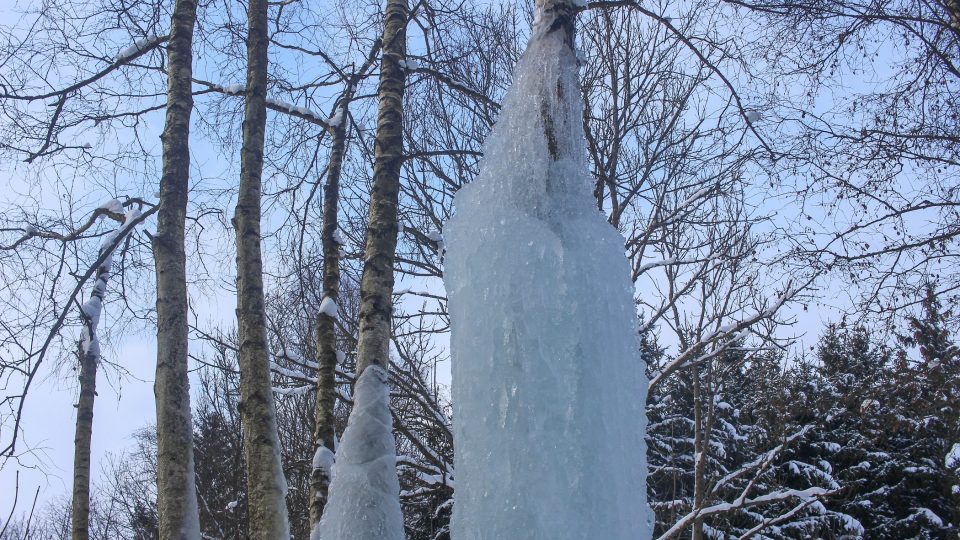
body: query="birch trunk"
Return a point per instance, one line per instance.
(80, 506)
(324, 434)
(89, 357)
(376, 285)
(266, 487)
(176, 486)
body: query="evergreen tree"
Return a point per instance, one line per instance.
(669, 444)
(747, 432)
(772, 406)
(809, 409)
(922, 426)
(885, 425)
(221, 484)
(853, 373)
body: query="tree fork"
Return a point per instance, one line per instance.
(324, 431)
(370, 414)
(89, 359)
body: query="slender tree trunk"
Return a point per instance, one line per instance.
(89, 357)
(176, 485)
(266, 487)
(376, 285)
(324, 433)
(703, 424)
(80, 507)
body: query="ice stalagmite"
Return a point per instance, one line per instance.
(364, 494)
(548, 385)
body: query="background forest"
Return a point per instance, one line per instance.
(785, 175)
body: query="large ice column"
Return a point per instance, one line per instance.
(364, 494)
(548, 384)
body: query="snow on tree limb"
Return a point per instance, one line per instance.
(730, 334)
(137, 48)
(40, 355)
(92, 308)
(809, 494)
(761, 462)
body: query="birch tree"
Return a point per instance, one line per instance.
(328, 355)
(89, 355)
(376, 286)
(266, 484)
(176, 487)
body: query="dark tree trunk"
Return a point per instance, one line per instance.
(324, 433)
(80, 506)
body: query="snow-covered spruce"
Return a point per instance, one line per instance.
(952, 461)
(364, 492)
(548, 384)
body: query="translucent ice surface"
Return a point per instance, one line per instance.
(548, 385)
(365, 493)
